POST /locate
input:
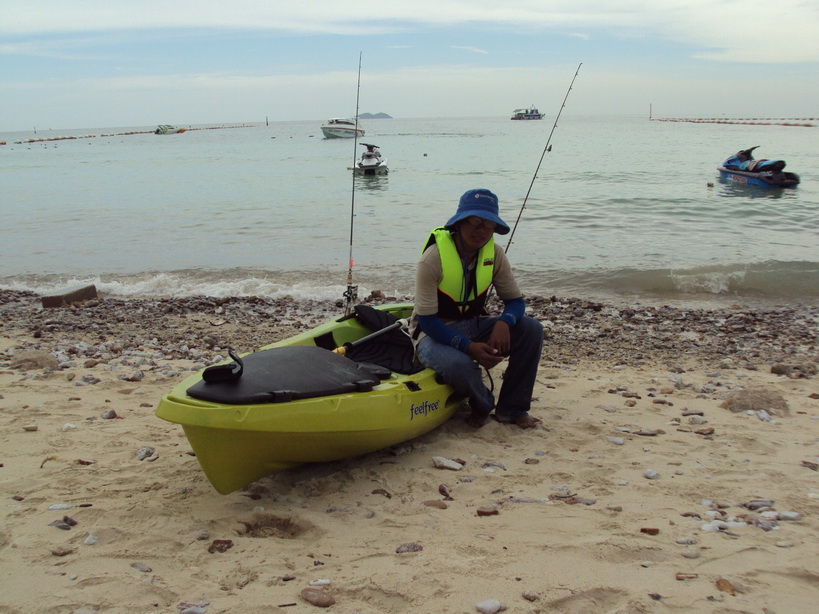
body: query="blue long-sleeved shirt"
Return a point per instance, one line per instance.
(432, 326)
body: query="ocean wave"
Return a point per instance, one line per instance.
(182, 284)
(767, 281)
(770, 281)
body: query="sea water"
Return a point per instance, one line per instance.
(621, 208)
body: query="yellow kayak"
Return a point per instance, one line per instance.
(298, 401)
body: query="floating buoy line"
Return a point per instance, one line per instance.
(750, 121)
(93, 136)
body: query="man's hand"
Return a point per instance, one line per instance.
(484, 354)
(500, 339)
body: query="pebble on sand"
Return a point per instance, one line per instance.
(141, 567)
(63, 550)
(220, 545)
(490, 606)
(436, 503)
(317, 597)
(726, 586)
(757, 398)
(145, 452)
(445, 463)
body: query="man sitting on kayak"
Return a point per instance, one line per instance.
(454, 335)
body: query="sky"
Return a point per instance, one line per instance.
(72, 64)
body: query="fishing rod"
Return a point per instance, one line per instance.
(548, 147)
(351, 294)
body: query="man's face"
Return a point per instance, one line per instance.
(476, 232)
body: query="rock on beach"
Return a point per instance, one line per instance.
(755, 399)
(576, 328)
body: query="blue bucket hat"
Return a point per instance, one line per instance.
(480, 203)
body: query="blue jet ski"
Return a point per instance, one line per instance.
(743, 168)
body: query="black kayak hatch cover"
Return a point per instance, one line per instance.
(279, 375)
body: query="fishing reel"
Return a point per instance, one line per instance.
(351, 294)
(350, 297)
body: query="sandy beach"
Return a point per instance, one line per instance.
(675, 471)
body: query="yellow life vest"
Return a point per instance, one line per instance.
(462, 294)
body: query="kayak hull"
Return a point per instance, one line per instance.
(239, 444)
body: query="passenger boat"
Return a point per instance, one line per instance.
(532, 113)
(342, 128)
(371, 162)
(346, 388)
(166, 129)
(743, 168)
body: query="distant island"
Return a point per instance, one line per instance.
(374, 116)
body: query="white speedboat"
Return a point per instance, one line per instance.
(342, 128)
(532, 113)
(371, 162)
(166, 129)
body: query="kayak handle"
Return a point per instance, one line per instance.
(229, 372)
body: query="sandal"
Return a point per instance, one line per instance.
(477, 419)
(524, 421)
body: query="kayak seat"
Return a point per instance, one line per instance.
(279, 375)
(392, 350)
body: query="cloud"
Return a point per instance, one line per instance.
(724, 30)
(119, 61)
(39, 16)
(55, 49)
(472, 49)
(772, 33)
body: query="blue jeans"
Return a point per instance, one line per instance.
(465, 375)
